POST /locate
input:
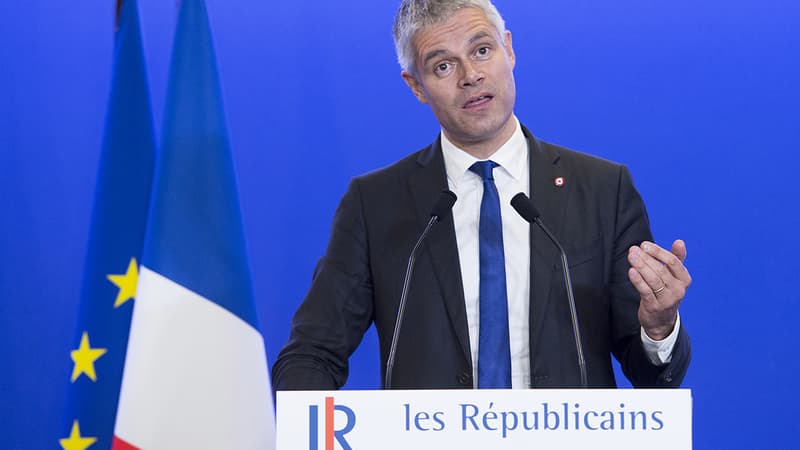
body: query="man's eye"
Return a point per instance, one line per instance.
(441, 68)
(483, 51)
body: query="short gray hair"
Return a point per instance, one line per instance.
(415, 15)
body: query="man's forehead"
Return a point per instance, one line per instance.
(462, 29)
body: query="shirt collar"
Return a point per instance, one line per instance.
(511, 156)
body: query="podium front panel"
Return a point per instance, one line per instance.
(485, 419)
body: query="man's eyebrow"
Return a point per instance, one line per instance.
(435, 53)
(478, 36)
(432, 54)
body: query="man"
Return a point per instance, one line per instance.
(487, 308)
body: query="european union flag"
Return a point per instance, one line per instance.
(115, 244)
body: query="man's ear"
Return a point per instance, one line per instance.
(414, 85)
(509, 48)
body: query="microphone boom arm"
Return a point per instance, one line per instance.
(524, 206)
(398, 323)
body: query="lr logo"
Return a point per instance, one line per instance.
(331, 433)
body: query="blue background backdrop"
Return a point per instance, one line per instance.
(700, 99)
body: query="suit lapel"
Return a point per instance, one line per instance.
(426, 184)
(550, 199)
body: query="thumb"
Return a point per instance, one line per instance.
(679, 249)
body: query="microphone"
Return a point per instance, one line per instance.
(524, 206)
(440, 211)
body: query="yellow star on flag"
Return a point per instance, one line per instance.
(126, 283)
(75, 441)
(84, 358)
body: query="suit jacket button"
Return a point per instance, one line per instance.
(465, 378)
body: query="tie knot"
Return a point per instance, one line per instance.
(484, 169)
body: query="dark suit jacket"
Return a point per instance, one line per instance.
(596, 215)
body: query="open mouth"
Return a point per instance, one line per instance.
(477, 101)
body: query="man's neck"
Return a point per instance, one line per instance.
(485, 149)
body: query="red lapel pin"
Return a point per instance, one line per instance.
(559, 181)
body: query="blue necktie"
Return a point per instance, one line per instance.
(494, 354)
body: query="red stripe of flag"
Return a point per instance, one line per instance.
(119, 444)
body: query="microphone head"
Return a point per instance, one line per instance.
(443, 205)
(524, 207)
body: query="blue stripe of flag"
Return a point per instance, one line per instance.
(195, 235)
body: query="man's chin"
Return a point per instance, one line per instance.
(480, 131)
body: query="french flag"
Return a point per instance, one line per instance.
(195, 372)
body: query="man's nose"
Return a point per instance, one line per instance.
(472, 75)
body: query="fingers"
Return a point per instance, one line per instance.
(648, 275)
(668, 266)
(642, 286)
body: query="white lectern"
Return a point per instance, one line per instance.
(485, 419)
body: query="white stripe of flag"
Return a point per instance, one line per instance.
(196, 375)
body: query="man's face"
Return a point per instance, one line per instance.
(464, 71)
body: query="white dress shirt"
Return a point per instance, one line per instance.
(511, 177)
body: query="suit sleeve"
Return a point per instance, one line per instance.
(632, 227)
(337, 310)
